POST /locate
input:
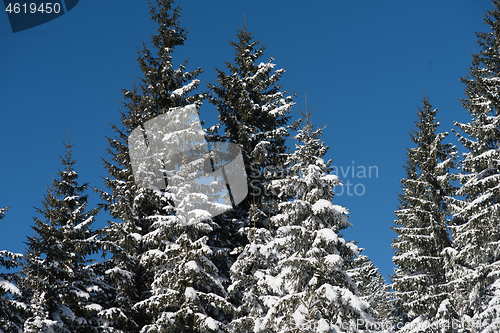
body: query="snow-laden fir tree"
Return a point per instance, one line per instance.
(476, 211)
(187, 293)
(56, 280)
(306, 287)
(12, 308)
(255, 258)
(253, 113)
(162, 244)
(371, 286)
(419, 280)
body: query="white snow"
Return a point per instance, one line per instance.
(443, 307)
(329, 292)
(9, 287)
(258, 325)
(340, 210)
(354, 248)
(280, 111)
(192, 265)
(81, 293)
(333, 179)
(122, 272)
(84, 223)
(185, 89)
(137, 236)
(298, 315)
(197, 215)
(261, 69)
(272, 282)
(191, 293)
(71, 198)
(321, 205)
(323, 326)
(93, 307)
(211, 323)
(325, 234)
(333, 259)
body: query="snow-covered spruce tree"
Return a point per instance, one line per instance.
(162, 247)
(395, 315)
(55, 279)
(371, 286)
(307, 287)
(255, 258)
(476, 232)
(187, 293)
(12, 308)
(253, 113)
(419, 279)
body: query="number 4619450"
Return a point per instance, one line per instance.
(33, 8)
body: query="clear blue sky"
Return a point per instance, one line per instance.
(363, 64)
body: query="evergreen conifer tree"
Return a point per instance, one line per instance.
(246, 291)
(419, 280)
(187, 294)
(476, 231)
(187, 291)
(305, 285)
(12, 308)
(253, 113)
(55, 275)
(371, 286)
(166, 255)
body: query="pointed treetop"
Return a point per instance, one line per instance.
(306, 115)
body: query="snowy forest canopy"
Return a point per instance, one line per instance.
(276, 261)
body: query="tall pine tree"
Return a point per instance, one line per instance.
(55, 275)
(296, 268)
(253, 113)
(187, 293)
(476, 231)
(163, 269)
(419, 279)
(371, 287)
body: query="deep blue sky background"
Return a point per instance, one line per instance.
(363, 64)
